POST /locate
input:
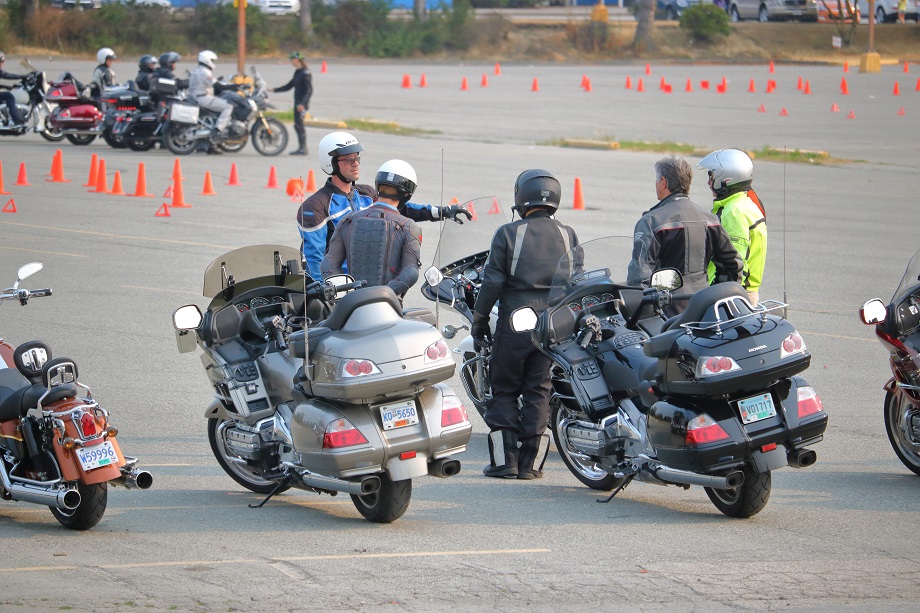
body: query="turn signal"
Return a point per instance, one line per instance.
(715, 365)
(792, 344)
(703, 429)
(111, 432)
(88, 424)
(342, 433)
(436, 351)
(452, 412)
(809, 402)
(69, 443)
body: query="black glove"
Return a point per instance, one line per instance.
(453, 213)
(724, 278)
(480, 331)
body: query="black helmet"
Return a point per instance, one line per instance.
(534, 188)
(169, 59)
(147, 63)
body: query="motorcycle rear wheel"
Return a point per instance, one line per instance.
(747, 500)
(116, 142)
(81, 139)
(233, 145)
(93, 500)
(387, 504)
(176, 140)
(245, 475)
(895, 407)
(139, 144)
(583, 468)
(48, 132)
(269, 142)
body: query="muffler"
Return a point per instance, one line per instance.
(368, 485)
(802, 458)
(445, 467)
(133, 479)
(674, 475)
(67, 500)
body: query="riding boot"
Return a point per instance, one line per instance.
(503, 454)
(532, 456)
(302, 149)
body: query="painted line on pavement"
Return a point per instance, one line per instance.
(119, 236)
(73, 255)
(849, 338)
(160, 289)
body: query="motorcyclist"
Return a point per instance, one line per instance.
(519, 272)
(339, 157)
(381, 246)
(202, 89)
(302, 84)
(167, 69)
(16, 119)
(146, 67)
(731, 173)
(103, 75)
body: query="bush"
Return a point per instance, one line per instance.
(705, 22)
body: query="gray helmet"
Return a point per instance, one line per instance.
(730, 171)
(147, 63)
(169, 59)
(536, 187)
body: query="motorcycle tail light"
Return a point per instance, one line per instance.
(710, 366)
(704, 429)
(791, 345)
(809, 402)
(436, 351)
(358, 368)
(88, 424)
(452, 412)
(65, 114)
(342, 433)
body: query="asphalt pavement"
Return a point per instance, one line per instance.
(834, 537)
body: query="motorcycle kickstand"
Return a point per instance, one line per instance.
(619, 489)
(274, 491)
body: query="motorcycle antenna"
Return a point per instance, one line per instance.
(785, 300)
(437, 252)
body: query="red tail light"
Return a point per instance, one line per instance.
(703, 429)
(809, 402)
(88, 424)
(792, 344)
(436, 351)
(452, 412)
(342, 433)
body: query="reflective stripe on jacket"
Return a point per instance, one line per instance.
(747, 229)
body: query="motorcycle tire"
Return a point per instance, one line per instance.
(48, 132)
(895, 406)
(81, 139)
(272, 141)
(586, 471)
(233, 146)
(747, 500)
(245, 475)
(387, 504)
(140, 144)
(116, 142)
(174, 137)
(93, 500)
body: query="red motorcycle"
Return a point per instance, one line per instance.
(77, 115)
(57, 448)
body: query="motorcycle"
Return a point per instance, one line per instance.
(77, 115)
(31, 102)
(319, 387)
(56, 448)
(143, 129)
(897, 325)
(122, 103)
(188, 125)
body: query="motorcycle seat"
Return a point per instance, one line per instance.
(700, 305)
(659, 346)
(18, 403)
(359, 298)
(421, 314)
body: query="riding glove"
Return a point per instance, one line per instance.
(453, 213)
(480, 330)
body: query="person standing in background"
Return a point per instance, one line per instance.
(302, 84)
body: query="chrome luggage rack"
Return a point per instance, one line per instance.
(731, 308)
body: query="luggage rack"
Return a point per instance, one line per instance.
(729, 306)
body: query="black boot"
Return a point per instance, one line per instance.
(302, 149)
(532, 456)
(502, 448)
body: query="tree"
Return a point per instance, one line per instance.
(306, 18)
(420, 10)
(646, 18)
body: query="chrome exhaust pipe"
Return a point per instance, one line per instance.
(67, 500)
(368, 485)
(443, 468)
(802, 458)
(684, 477)
(133, 479)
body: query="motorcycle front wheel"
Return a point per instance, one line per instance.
(139, 144)
(47, 131)
(116, 142)
(93, 500)
(271, 141)
(898, 411)
(247, 476)
(179, 138)
(583, 467)
(387, 504)
(81, 139)
(748, 499)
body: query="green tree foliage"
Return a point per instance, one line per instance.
(705, 22)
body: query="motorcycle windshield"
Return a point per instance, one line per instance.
(911, 277)
(248, 263)
(459, 241)
(604, 260)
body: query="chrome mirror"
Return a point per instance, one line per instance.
(873, 312)
(523, 319)
(667, 278)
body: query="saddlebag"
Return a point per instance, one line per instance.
(180, 112)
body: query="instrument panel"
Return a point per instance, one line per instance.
(590, 301)
(258, 302)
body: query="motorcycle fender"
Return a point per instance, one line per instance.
(218, 410)
(72, 470)
(442, 441)
(400, 470)
(11, 439)
(467, 345)
(770, 460)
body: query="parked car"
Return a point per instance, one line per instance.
(672, 9)
(272, 7)
(887, 10)
(76, 4)
(768, 10)
(163, 4)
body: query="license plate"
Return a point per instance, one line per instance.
(398, 415)
(97, 456)
(756, 408)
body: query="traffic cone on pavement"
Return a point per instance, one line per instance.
(807, 89)
(901, 111)
(140, 190)
(2, 189)
(464, 85)
(116, 185)
(772, 68)
(918, 85)
(784, 112)
(588, 85)
(101, 178)
(762, 109)
(751, 88)
(498, 68)
(10, 206)
(22, 179)
(311, 182)
(93, 165)
(579, 197)
(234, 176)
(177, 171)
(906, 67)
(846, 66)
(163, 211)
(178, 199)
(423, 82)
(639, 86)
(323, 69)
(272, 179)
(844, 88)
(689, 87)
(629, 82)
(799, 84)
(536, 85)
(852, 115)
(485, 80)
(57, 169)
(648, 69)
(406, 82)
(835, 108)
(208, 189)
(897, 89)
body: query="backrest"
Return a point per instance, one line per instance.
(700, 305)
(358, 298)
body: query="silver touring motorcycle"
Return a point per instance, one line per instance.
(324, 387)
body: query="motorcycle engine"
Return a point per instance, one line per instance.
(246, 443)
(237, 128)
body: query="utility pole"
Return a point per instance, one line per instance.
(871, 61)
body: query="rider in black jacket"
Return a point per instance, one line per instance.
(146, 65)
(302, 83)
(167, 67)
(7, 98)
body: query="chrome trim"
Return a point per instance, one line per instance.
(39, 492)
(761, 310)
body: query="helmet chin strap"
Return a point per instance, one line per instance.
(337, 172)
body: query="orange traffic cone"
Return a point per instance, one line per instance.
(498, 68)
(407, 82)
(234, 177)
(177, 171)
(323, 68)
(662, 83)
(906, 67)
(835, 108)
(485, 80)
(799, 84)
(272, 179)
(844, 88)
(689, 87)
(208, 189)
(901, 111)
(897, 89)
(178, 199)
(667, 88)
(140, 191)
(772, 68)
(57, 169)
(2, 189)
(648, 69)
(91, 181)
(784, 112)
(472, 210)
(169, 192)
(762, 109)
(536, 85)
(163, 211)
(10, 207)
(588, 85)
(846, 66)
(639, 86)
(116, 185)
(852, 115)
(918, 85)
(722, 87)
(629, 82)
(807, 89)
(495, 209)
(101, 178)
(453, 201)
(311, 182)
(22, 179)
(579, 198)
(423, 82)
(751, 88)
(704, 84)
(464, 85)
(294, 185)
(771, 86)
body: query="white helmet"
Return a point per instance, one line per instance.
(208, 58)
(334, 145)
(400, 175)
(103, 54)
(730, 171)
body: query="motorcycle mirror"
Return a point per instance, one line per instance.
(873, 312)
(187, 317)
(433, 276)
(667, 278)
(27, 271)
(523, 319)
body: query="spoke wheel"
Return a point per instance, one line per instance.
(81, 139)
(116, 142)
(583, 467)
(386, 504)
(744, 501)
(48, 131)
(900, 415)
(179, 138)
(93, 500)
(271, 141)
(247, 476)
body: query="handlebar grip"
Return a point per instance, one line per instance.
(681, 296)
(38, 293)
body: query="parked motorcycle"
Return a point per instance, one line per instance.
(143, 129)
(349, 401)
(190, 125)
(121, 104)
(897, 326)
(77, 115)
(31, 102)
(56, 448)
